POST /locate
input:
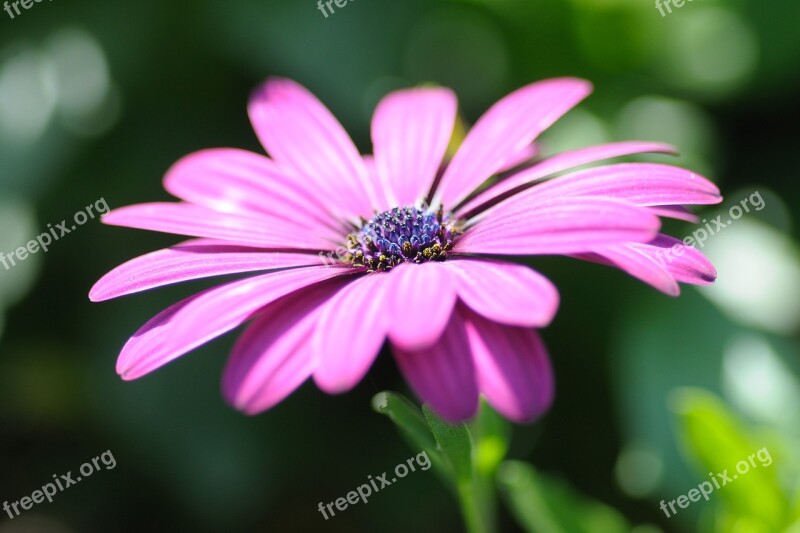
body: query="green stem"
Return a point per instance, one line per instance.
(476, 499)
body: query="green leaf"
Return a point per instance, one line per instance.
(408, 418)
(454, 441)
(719, 443)
(475, 493)
(450, 449)
(544, 505)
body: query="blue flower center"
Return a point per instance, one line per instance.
(402, 235)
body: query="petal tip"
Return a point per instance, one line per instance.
(127, 374)
(99, 292)
(331, 385)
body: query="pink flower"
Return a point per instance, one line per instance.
(461, 321)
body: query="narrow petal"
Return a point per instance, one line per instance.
(506, 129)
(382, 194)
(677, 212)
(274, 356)
(444, 374)
(411, 130)
(513, 369)
(196, 221)
(298, 131)
(555, 164)
(561, 226)
(687, 264)
(661, 263)
(198, 319)
(504, 292)
(643, 184)
(195, 259)
(421, 298)
(237, 181)
(523, 156)
(638, 264)
(350, 333)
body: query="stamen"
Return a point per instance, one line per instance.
(402, 235)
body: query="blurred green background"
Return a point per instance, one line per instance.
(97, 99)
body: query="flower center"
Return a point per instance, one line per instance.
(403, 234)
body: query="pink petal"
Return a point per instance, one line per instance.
(237, 181)
(298, 131)
(506, 129)
(512, 367)
(350, 333)
(421, 299)
(677, 212)
(504, 292)
(523, 156)
(198, 319)
(687, 264)
(275, 355)
(643, 184)
(661, 263)
(382, 194)
(196, 259)
(636, 263)
(559, 163)
(195, 221)
(560, 226)
(444, 374)
(411, 130)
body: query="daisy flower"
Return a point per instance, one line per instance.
(348, 252)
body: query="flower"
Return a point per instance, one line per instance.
(420, 246)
